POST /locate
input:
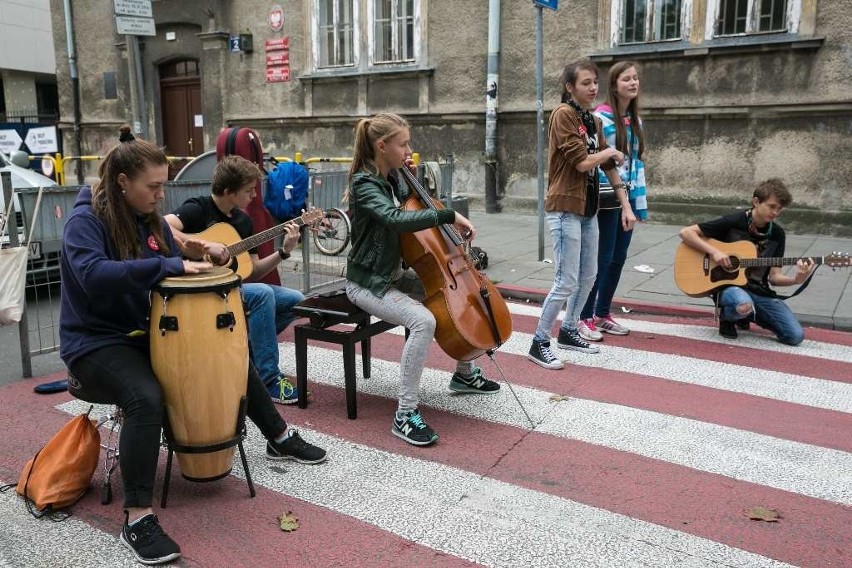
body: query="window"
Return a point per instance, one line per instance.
(650, 20)
(751, 16)
(393, 31)
(365, 34)
(335, 33)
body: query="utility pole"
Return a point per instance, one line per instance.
(491, 87)
(539, 122)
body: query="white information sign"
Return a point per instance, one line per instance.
(139, 8)
(10, 141)
(127, 25)
(42, 140)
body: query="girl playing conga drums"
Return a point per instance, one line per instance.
(115, 248)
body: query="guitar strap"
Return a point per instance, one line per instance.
(801, 287)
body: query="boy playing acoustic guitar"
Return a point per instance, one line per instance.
(756, 301)
(270, 307)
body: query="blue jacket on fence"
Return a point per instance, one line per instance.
(286, 190)
(104, 300)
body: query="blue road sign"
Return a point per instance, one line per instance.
(234, 43)
(552, 4)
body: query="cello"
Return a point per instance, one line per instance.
(471, 316)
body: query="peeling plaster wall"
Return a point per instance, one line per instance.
(716, 122)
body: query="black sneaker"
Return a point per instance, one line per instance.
(744, 324)
(540, 354)
(477, 384)
(147, 541)
(727, 329)
(411, 428)
(570, 339)
(294, 448)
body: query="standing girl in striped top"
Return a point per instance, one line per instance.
(623, 129)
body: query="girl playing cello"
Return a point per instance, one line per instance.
(377, 282)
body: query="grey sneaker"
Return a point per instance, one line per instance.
(588, 330)
(609, 325)
(540, 354)
(570, 339)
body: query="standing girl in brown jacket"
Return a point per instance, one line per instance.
(576, 149)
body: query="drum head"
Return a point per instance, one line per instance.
(215, 276)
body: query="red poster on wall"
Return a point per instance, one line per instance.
(280, 44)
(279, 74)
(277, 58)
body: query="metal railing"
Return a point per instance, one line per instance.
(309, 269)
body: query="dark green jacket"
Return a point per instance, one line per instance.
(376, 225)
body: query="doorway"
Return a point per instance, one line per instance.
(183, 122)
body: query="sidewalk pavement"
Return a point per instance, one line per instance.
(512, 243)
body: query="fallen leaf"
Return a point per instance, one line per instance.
(558, 397)
(289, 521)
(763, 514)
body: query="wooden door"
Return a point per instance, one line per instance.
(183, 128)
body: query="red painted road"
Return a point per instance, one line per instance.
(218, 525)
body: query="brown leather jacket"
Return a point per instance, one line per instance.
(566, 188)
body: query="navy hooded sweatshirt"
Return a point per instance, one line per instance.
(105, 301)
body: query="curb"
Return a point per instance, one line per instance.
(537, 295)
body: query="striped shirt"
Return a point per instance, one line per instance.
(636, 176)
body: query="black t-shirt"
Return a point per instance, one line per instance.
(199, 213)
(734, 227)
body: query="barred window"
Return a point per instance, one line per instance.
(393, 31)
(736, 17)
(335, 33)
(650, 20)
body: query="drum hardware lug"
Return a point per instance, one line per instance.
(226, 320)
(168, 323)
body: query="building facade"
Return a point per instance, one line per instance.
(733, 91)
(28, 92)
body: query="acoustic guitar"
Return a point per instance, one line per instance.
(240, 259)
(697, 275)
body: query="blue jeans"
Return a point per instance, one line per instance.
(612, 254)
(270, 312)
(575, 252)
(769, 313)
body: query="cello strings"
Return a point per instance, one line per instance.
(511, 389)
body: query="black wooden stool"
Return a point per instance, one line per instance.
(324, 311)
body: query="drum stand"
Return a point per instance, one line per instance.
(237, 440)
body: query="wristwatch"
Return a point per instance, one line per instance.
(283, 255)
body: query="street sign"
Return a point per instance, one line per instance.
(41, 140)
(128, 25)
(552, 4)
(138, 8)
(10, 141)
(234, 44)
(278, 74)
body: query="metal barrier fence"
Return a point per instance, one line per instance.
(318, 264)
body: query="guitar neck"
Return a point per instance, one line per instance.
(262, 237)
(777, 261)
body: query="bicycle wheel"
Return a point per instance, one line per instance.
(332, 234)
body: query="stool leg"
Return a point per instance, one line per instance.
(167, 479)
(301, 366)
(365, 356)
(241, 430)
(349, 378)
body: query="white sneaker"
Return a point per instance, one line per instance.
(588, 330)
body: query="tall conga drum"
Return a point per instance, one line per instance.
(199, 352)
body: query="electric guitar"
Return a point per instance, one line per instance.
(240, 259)
(697, 275)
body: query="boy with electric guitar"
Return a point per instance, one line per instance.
(219, 220)
(740, 286)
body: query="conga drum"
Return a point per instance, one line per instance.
(199, 352)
